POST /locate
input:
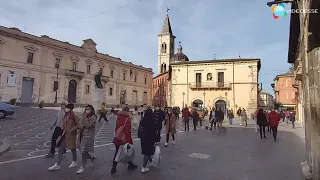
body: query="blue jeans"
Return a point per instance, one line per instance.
(274, 132)
(230, 120)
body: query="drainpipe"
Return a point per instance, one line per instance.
(187, 84)
(234, 96)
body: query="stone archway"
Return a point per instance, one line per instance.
(221, 104)
(197, 103)
(72, 91)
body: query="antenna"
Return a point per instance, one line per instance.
(214, 56)
(239, 55)
(167, 10)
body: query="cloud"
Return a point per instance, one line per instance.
(128, 28)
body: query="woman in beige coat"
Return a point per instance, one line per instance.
(170, 123)
(69, 136)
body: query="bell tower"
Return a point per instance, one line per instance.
(165, 45)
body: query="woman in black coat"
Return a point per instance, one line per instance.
(262, 122)
(148, 136)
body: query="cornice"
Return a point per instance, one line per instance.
(57, 54)
(89, 62)
(73, 49)
(31, 48)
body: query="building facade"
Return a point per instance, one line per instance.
(266, 100)
(224, 83)
(32, 67)
(160, 89)
(285, 93)
(304, 53)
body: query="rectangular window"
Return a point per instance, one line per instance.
(88, 69)
(111, 73)
(30, 58)
(74, 66)
(124, 76)
(57, 65)
(198, 79)
(145, 80)
(110, 91)
(135, 78)
(87, 89)
(287, 95)
(220, 79)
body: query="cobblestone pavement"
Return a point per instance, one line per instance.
(29, 135)
(239, 154)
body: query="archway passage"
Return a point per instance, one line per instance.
(221, 104)
(72, 91)
(197, 103)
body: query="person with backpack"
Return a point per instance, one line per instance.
(123, 120)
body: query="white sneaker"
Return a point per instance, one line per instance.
(55, 167)
(80, 170)
(173, 142)
(143, 170)
(166, 144)
(73, 164)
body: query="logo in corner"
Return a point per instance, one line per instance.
(278, 11)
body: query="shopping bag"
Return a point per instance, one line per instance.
(157, 156)
(126, 153)
(257, 129)
(120, 135)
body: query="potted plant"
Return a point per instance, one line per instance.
(13, 101)
(41, 104)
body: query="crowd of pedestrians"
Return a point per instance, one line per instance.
(79, 132)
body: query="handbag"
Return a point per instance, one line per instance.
(157, 156)
(125, 154)
(120, 135)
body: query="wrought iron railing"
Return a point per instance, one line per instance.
(211, 85)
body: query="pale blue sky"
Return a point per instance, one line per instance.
(204, 27)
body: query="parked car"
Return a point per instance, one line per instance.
(6, 110)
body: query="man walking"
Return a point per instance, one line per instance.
(185, 117)
(57, 130)
(239, 115)
(159, 117)
(213, 120)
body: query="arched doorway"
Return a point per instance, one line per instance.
(222, 105)
(197, 103)
(72, 91)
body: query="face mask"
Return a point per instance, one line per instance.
(88, 111)
(67, 110)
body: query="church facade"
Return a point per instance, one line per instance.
(35, 69)
(220, 83)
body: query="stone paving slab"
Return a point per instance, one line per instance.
(237, 155)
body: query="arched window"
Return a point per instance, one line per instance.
(164, 48)
(209, 77)
(161, 68)
(164, 68)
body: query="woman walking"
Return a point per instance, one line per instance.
(148, 138)
(262, 122)
(244, 117)
(68, 140)
(123, 120)
(86, 135)
(170, 123)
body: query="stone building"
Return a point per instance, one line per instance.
(159, 90)
(266, 100)
(30, 66)
(285, 93)
(224, 83)
(304, 53)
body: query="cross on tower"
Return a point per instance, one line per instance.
(167, 10)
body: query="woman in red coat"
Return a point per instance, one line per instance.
(274, 119)
(123, 119)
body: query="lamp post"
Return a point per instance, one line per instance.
(204, 99)
(226, 100)
(183, 99)
(56, 82)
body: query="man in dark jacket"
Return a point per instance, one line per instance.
(159, 117)
(220, 118)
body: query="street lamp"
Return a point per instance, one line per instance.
(226, 99)
(55, 85)
(204, 99)
(183, 99)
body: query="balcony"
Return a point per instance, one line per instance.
(211, 85)
(70, 72)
